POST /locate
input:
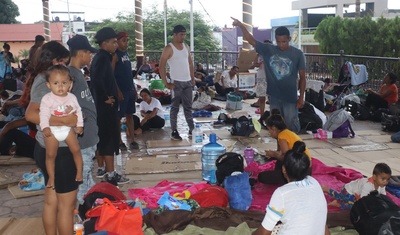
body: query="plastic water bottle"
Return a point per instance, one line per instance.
(78, 224)
(144, 76)
(197, 136)
(167, 117)
(249, 154)
(209, 154)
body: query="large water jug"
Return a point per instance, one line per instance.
(209, 153)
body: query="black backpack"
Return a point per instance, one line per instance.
(226, 164)
(390, 122)
(309, 120)
(243, 126)
(358, 111)
(369, 213)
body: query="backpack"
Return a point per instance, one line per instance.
(390, 122)
(243, 126)
(358, 111)
(344, 131)
(309, 120)
(392, 226)
(369, 213)
(226, 164)
(339, 122)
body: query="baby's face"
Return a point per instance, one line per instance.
(59, 83)
(381, 179)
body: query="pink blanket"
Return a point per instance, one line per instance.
(333, 177)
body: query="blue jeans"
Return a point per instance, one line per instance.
(288, 111)
(87, 156)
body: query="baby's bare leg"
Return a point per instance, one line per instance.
(51, 152)
(73, 145)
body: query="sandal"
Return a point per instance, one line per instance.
(255, 105)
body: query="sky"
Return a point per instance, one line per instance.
(216, 12)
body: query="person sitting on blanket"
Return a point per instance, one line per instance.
(359, 188)
(285, 139)
(300, 204)
(228, 82)
(388, 93)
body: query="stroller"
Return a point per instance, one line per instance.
(350, 76)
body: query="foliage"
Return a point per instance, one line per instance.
(8, 12)
(153, 29)
(360, 36)
(24, 53)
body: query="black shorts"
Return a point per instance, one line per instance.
(65, 172)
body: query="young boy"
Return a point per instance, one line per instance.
(359, 188)
(81, 55)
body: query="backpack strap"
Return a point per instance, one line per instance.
(351, 130)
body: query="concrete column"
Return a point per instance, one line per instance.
(304, 18)
(139, 33)
(339, 10)
(248, 20)
(46, 20)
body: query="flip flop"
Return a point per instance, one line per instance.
(255, 105)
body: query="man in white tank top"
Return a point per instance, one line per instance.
(177, 55)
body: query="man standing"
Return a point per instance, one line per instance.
(104, 90)
(283, 65)
(126, 90)
(81, 55)
(39, 40)
(177, 55)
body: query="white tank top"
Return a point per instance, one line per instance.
(179, 64)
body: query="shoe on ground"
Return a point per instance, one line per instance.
(258, 111)
(101, 173)
(123, 147)
(255, 105)
(134, 145)
(218, 123)
(120, 179)
(190, 133)
(175, 135)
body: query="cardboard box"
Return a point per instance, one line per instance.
(246, 60)
(247, 80)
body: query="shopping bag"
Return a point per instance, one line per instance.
(122, 222)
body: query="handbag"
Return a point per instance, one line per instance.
(122, 222)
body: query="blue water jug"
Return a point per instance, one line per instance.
(209, 154)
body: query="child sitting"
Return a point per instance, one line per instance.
(359, 188)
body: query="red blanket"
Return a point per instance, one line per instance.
(333, 177)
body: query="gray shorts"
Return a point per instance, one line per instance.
(261, 87)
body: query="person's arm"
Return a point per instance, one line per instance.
(12, 125)
(166, 54)
(302, 88)
(191, 67)
(246, 34)
(280, 153)
(262, 231)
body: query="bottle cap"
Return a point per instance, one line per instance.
(213, 138)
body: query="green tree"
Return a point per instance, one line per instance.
(360, 36)
(8, 12)
(24, 53)
(153, 29)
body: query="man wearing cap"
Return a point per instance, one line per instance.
(105, 94)
(127, 92)
(81, 55)
(177, 55)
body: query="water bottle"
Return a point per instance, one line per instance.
(144, 76)
(197, 136)
(78, 224)
(249, 154)
(167, 117)
(209, 154)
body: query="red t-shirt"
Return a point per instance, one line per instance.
(394, 96)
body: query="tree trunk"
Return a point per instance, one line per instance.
(46, 20)
(247, 20)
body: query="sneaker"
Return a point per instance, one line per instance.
(175, 135)
(134, 145)
(120, 179)
(123, 147)
(101, 173)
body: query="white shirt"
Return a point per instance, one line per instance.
(300, 206)
(179, 64)
(228, 82)
(362, 187)
(154, 103)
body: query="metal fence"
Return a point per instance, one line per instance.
(318, 66)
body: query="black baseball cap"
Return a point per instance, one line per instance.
(80, 42)
(105, 34)
(179, 29)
